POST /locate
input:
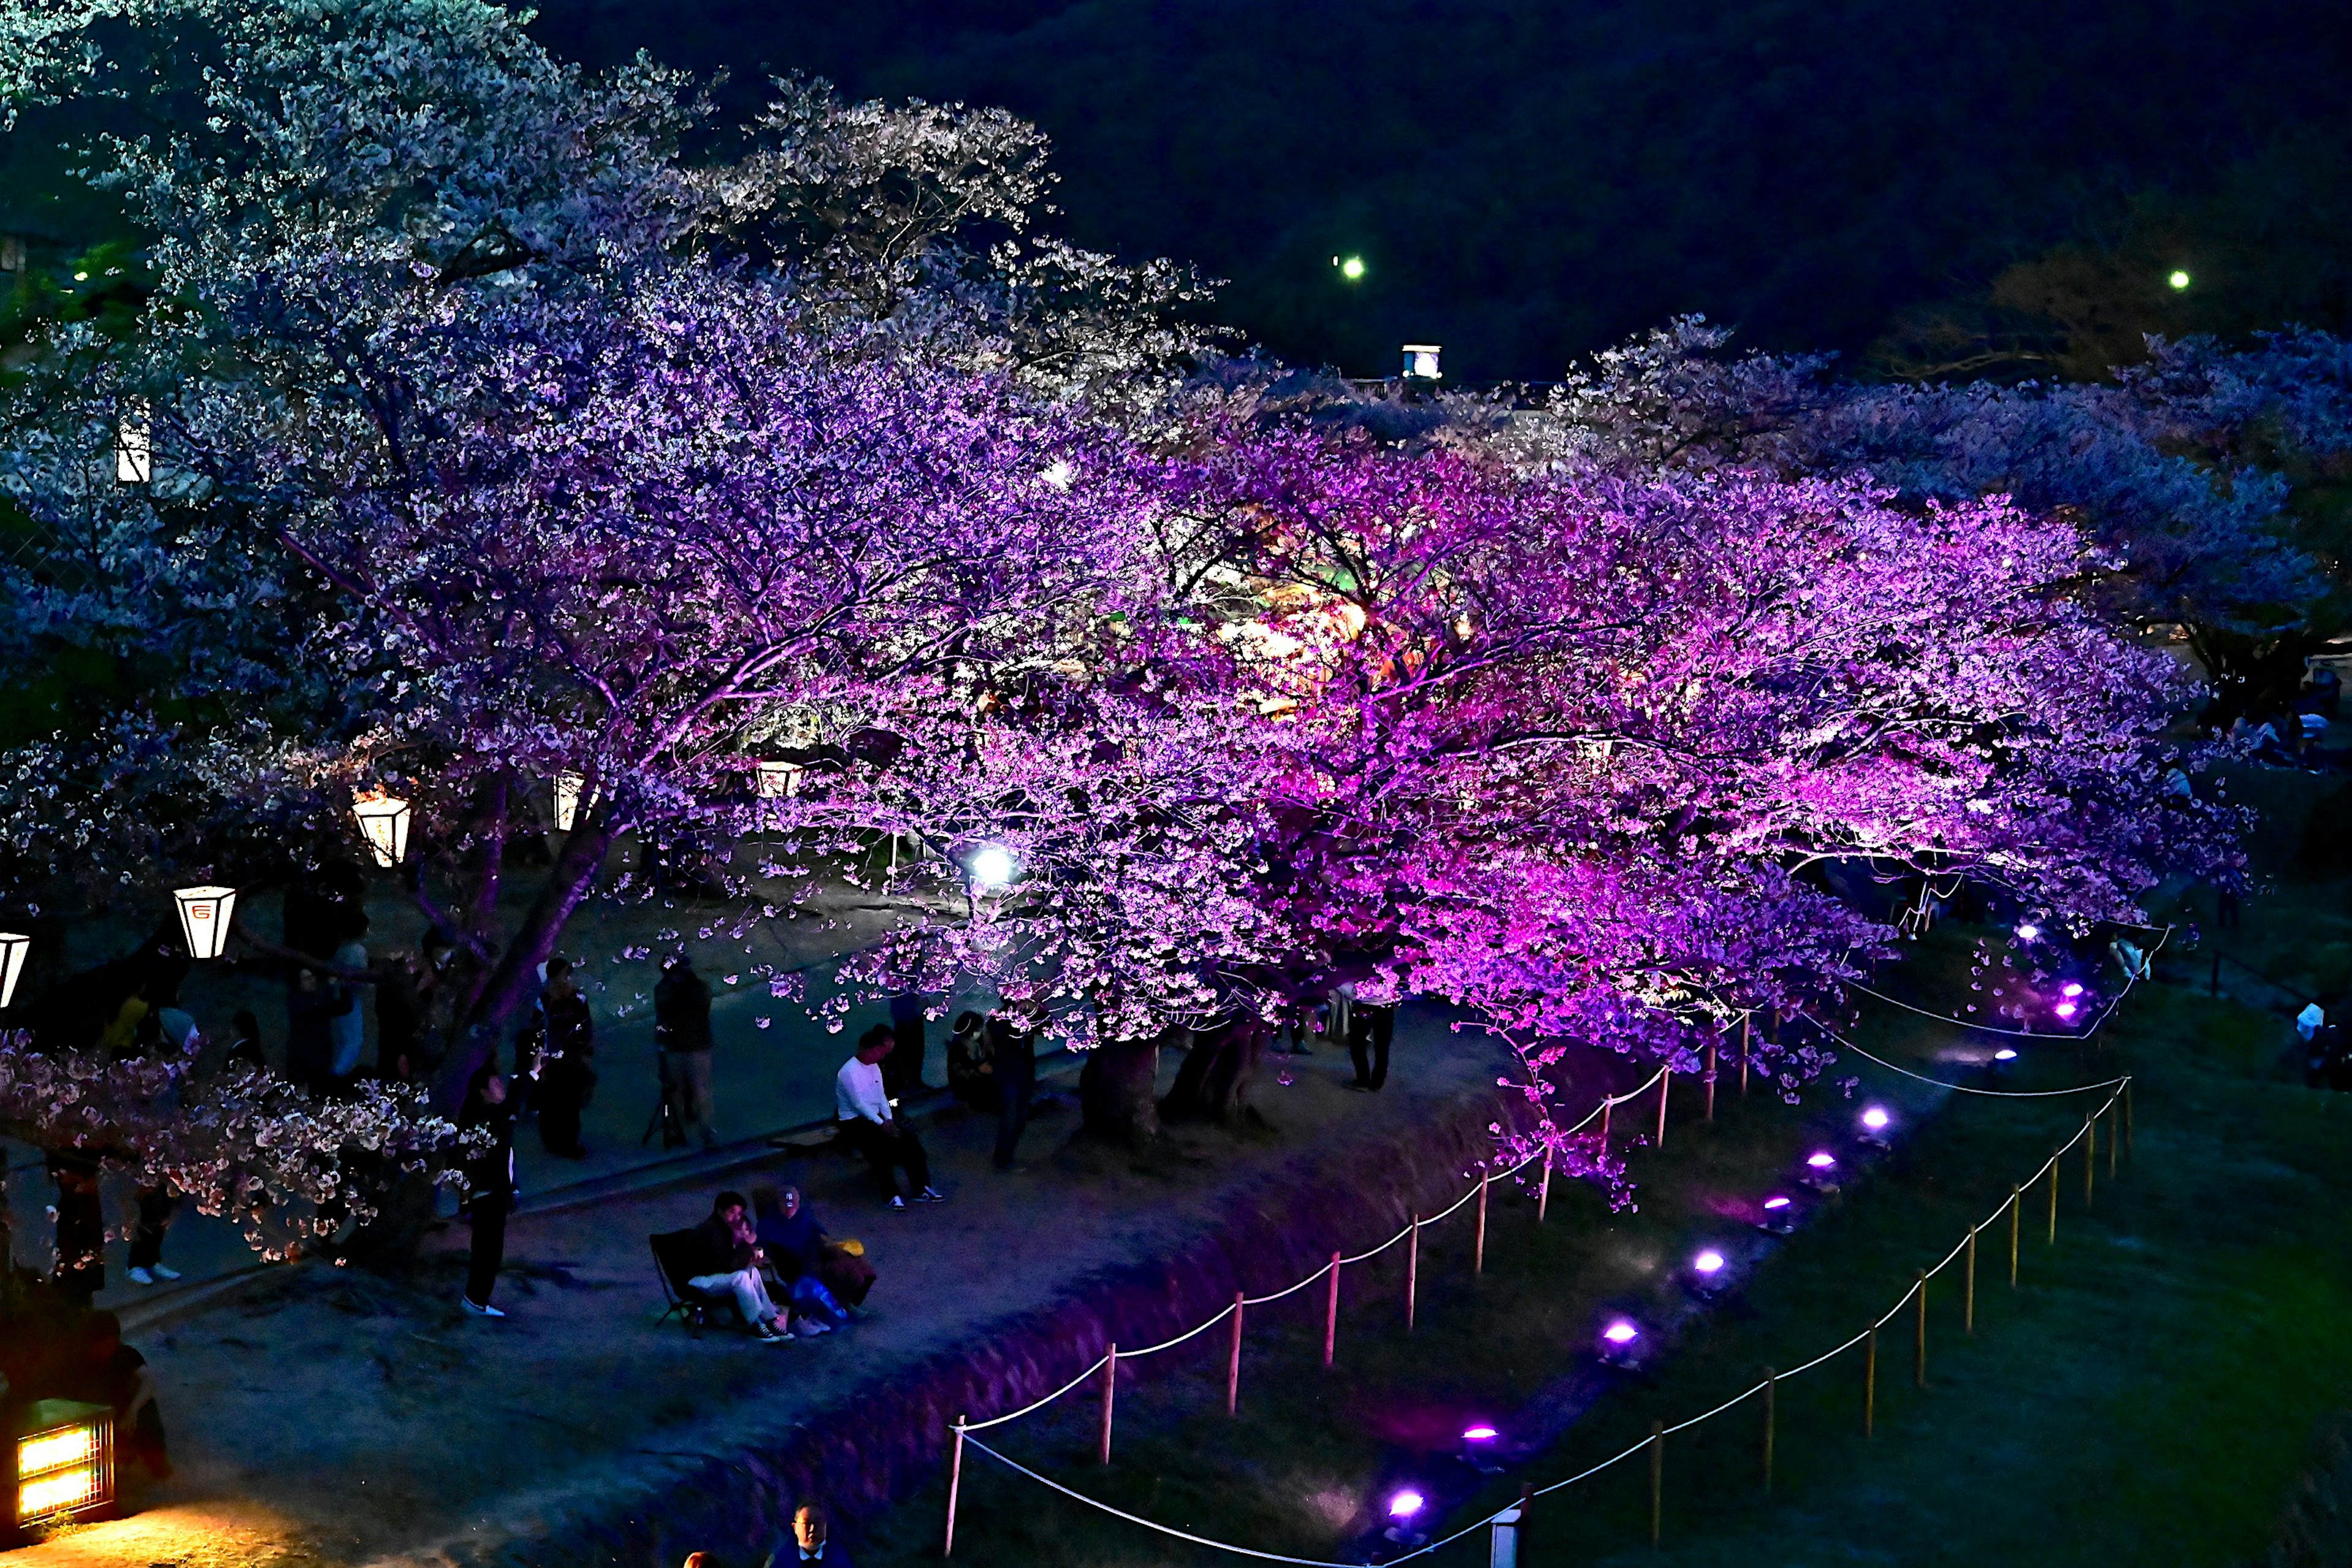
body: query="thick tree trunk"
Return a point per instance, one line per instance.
(513, 983)
(1215, 1082)
(1115, 1090)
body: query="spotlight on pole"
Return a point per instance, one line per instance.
(990, 866)
(204, 914)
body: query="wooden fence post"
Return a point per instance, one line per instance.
(1710, 1082)
(1478, 1236)
(1109, 1394)
(2127, 1122)
(2113, 1142)
(1771, 1387)
(1543, 1188)
(1411, 1271)
(1744, 1022)
(1969, 1295)
(1331, 1313)
(1608, 1104)
(955, 1486)
(2090, 1156)
(2016, 1202)
(1665, 1083)
(1870, 1382)
(1920, 1339)
(1657, 1477)
(2053, 1202)
(1233, 1361)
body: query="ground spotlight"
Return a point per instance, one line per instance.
(1621, 1343)
(1821, 1171)
(1403, 1505)
(1779, 1216)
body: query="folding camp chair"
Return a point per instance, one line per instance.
(673, 1252)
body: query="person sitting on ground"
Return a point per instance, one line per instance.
(795, 1248)
(813, 1542)
(869, 1124)
(727, 1263)
(111, 1372)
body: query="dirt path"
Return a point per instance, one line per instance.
(324, 1416)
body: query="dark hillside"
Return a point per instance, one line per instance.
(1528, 180)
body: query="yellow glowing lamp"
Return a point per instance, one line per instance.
(1352, 269)
(568, 787)
(383, 823)
(203, 918)
(775, 780)
(65, 1461)
(2179, 280)
(13, 949)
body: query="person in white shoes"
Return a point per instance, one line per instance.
(872, 1126)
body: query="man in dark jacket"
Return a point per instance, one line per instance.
(682, 1030)
(566, 1042)
(726, 1262)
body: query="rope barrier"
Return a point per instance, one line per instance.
(1000, 1420)
(1918, 1284)
(1179, 1338)
(1846, 1044)
(1278, 1295)
(2148, 967)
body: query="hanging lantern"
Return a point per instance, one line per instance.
(135, 447)
(383, 823)
(203, 919)
(13, 949)
(65, 1461)
(1421, 362)
(568, 786)
(776, 780)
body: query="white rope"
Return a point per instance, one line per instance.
(1745, 1394)
(1179, 1534)
(1384, 1246)
(1000, 1420)
(1278, 1295)
(1846, 1044)
(1179, 1338)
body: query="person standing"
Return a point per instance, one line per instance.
(347, 1033)
(566, 1046)
(682, 1030)
(862, 1109)
(490, 1187)
(1013, 1052)
(80, 1271)
(1370, 1031)
(309, 1048)
(902, 1069)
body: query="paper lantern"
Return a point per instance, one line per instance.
(383, 823)
(135, 448)
(65, 1461)
(203, 919)
(568, 786)
(1421, 362)
(13, 949)
(775, 780)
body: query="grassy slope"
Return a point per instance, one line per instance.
(2149, 1395)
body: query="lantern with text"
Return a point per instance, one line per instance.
(778, 779)
(203, 919)
(1421, 362)
(65, 1461)
(383, 823)
(13, 949)
(568, 788)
